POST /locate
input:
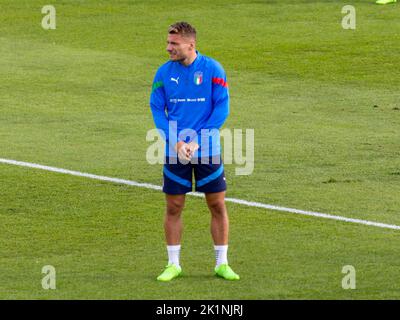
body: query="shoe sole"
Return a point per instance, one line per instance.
(177, 276)
(219, 276)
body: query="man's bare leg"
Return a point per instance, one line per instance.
(219, 217)
(172, 221)
(173, 234)
(219, 232)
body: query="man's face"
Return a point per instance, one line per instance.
(178, 47)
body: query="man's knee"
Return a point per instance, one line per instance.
(217, 207)
(174, 207)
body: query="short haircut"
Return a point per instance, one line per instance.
(183, 28)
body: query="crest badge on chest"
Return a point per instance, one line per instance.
(198, 78)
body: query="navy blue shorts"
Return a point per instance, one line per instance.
(208, 177)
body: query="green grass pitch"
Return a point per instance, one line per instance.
(323, 101)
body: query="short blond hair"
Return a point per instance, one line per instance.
(183, 28)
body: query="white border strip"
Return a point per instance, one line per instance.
(238, 201)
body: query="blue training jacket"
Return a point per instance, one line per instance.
(190, 103)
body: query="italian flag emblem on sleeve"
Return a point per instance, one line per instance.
(198, 77)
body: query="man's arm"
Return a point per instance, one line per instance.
(157, 104)
(220, 99)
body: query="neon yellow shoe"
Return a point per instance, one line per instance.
(385, 1)
(226, 272)
(171, 271)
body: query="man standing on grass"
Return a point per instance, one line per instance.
(190, 102)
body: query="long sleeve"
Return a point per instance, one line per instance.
(220, 99)
(158, 104)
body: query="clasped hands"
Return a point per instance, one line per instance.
(185, 150)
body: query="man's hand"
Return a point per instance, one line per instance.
(193, 146)
(182, 149)
(186, 151)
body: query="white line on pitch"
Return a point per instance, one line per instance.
(238, 201)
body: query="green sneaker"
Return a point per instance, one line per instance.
(226, 272)
(385, 1)
(171, 271)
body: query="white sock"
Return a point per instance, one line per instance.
(221, 255)
(173, 254)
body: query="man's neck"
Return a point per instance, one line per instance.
(189, 60)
